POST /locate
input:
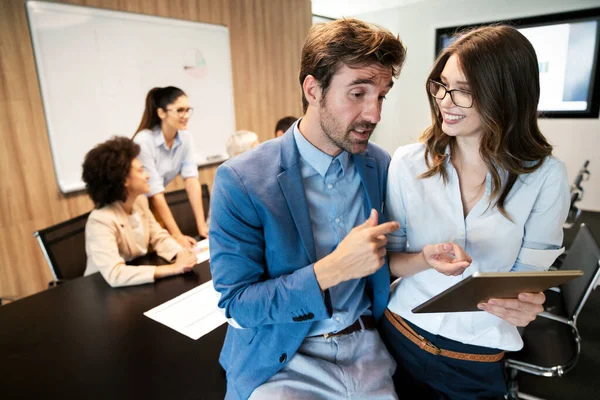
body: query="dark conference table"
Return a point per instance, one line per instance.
(86, 340)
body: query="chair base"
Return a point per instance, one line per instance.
(513, 389)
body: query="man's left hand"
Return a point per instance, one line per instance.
(519, 312)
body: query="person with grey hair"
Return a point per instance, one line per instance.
(240, 142)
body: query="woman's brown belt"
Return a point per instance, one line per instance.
(429, 347)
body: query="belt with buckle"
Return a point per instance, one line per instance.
(363, 322)
(429, 347)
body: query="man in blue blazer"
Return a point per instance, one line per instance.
(297, 234)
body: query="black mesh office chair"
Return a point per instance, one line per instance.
(572, 223)
(577, 194)
(552, 343)
(63, 246)
(181, 208)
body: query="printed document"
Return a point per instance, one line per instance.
(202, 251)
(193, 313)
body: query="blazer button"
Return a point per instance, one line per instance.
(297, 319)
(283, 358)
(310, 315)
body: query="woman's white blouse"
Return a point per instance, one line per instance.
(163, 164)
(430, 212)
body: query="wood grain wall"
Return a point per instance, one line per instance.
(266, 39)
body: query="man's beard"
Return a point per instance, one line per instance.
(339, 136)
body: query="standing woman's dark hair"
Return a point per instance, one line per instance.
(502, 69)
(157, 98)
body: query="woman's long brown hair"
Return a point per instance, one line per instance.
(501, 67)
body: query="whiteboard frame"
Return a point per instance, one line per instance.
(33, 5)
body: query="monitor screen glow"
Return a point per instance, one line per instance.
(567, 47)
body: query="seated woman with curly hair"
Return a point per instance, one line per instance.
(122, 226)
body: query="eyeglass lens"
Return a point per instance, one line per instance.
(458, 97)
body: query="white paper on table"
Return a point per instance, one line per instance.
(203, 251)
(193, 313)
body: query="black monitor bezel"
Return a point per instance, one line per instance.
(593, 110)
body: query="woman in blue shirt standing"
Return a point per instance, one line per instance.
(167, 151)
(480, 192)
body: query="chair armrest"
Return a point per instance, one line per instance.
(56, 282)
(555, 317)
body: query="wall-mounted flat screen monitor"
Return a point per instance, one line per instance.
(567, 46)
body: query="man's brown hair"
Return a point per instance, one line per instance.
(350, 42)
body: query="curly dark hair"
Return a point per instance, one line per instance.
(106, 167)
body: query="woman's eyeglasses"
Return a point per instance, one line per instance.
(181, 112)
(461, 98)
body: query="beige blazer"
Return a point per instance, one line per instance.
(110, 242)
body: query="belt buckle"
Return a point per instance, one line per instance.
(347, 329)
(426, 343)
(437, 350)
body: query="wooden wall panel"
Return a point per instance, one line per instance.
(266, 39)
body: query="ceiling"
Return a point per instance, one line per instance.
(346, 8)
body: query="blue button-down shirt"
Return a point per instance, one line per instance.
(335, 197)
(431, 212)
(163, 164)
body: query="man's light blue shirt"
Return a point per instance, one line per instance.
(163, 164)
(335, 197)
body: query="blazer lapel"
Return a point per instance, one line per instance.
(137, 206)
(380, 280)
(291, 183)
(125, 226)
(367, 169)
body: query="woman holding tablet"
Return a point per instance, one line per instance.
(480, 192)
(167, 151)
(122, 227)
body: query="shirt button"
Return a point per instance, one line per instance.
(337, 220)
(330, 186)
(337, 319)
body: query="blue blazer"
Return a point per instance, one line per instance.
(262, 254)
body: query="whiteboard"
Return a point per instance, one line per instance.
(96, 66)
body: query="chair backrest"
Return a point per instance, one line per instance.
(582, 175)
(181, 208)
(583, 254)
(577, 195)
(63, 246)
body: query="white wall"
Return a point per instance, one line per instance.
(406, 111)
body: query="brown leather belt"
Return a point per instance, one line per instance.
(429, 347)
(363, 322)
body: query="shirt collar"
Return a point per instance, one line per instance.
(317, 159)
(159, 139)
